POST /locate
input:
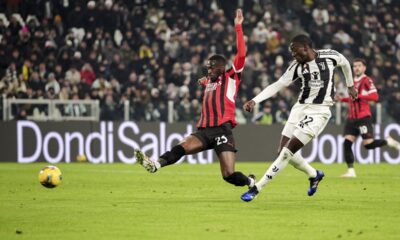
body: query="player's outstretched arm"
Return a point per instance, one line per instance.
(240, 57)
(269, 91)
(346, 68)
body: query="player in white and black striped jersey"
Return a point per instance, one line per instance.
(311, 113)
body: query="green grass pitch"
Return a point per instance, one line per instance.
(193, 202)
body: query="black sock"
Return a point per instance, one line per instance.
(172, 156)
(348, 153)
(376, 143)
(237, 179)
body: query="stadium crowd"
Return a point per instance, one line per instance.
(151, 52)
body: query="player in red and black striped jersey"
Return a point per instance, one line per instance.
(217, 117)
(359, 120)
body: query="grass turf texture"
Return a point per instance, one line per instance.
(193, 202)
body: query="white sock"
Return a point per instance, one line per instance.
(300, 163)
(252, 182)
(278, 165)
(157, 164)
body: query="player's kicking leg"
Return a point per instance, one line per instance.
(150, 165)
(189, 145)
(305, 131)
(278, 165)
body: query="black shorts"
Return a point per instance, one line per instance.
(361, 127)
(218, 138)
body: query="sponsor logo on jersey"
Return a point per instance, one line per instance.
(212, 86)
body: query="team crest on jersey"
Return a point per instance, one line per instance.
(322, 65)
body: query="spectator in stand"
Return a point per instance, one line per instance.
(87, 74)
(265, 117)
(75, 109)
(52, 83)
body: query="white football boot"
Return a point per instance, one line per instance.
(393, 143)
(145, 161)
(351, 173)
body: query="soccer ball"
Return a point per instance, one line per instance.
(81, 158)
(50, 176)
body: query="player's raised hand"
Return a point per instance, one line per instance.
(249, 105)
(239, 17)
(352, 92)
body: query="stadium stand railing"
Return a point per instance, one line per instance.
(51, 110)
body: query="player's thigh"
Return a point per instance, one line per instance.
(288, 130)
(192, 144)
(294, 117)
(227, 162)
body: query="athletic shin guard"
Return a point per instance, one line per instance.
(278, 165)
(172, 156)
(237, 179)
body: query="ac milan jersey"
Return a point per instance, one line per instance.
(360, 108)
(220, 96)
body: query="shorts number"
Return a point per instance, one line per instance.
(363, 129)
(221, 140)
(305, 121)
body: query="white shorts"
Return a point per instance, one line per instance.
(306, 121)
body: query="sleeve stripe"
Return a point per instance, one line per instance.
(237, 70)
(293, 64)
(295, 75)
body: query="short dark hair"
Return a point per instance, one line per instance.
(216, 60)
(361, 60)
(302, 39)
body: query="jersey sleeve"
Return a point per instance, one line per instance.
(368, 90)
(238, 62)
(370, 86)
(343, 63)
(290, 74)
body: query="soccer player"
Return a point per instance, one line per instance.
(217, 117)
(311, 113)
(359, 117)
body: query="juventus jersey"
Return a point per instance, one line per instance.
(316, 77)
